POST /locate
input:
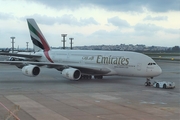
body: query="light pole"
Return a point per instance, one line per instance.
(12, 43)
(64, 35)
(71, 42)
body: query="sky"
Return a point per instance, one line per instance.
(92, 22)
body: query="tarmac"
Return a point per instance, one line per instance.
(49, 96)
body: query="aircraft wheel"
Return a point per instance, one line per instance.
(86, 77)
(98, 77)
(82, 77)
(89, 77)
(164, 86)
(157, 85)
(147, 83)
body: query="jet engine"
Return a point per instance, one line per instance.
(71, 73)
(31, 70)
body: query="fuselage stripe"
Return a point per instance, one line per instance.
(47, 56)
(32, 29)
(37, 43)
(43, 45)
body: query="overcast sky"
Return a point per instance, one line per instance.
(92, 22)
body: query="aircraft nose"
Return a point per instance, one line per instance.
(159, 70)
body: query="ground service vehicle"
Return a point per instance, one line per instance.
(164, 84)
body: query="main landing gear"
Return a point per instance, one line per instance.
(98, 77)
(86, 77)
(148, 81)
(90, 77)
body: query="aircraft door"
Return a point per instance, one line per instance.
(139, 66)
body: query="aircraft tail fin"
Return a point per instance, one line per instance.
(38, 39)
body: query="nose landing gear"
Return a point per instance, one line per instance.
(148, 81)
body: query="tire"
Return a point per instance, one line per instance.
(98, 77)
(86, 77)
(157, 85)
(149, 83)
(89, 77)
(164, 86)
(146, 83)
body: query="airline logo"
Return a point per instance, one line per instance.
(38, 38)
(112, 60)
(42, 43)
(115, 60)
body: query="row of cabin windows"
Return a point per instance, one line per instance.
(151, 63)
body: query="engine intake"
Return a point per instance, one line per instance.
(71, 73)
(31, 70)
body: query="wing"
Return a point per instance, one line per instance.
(85, 69)
(20, 55)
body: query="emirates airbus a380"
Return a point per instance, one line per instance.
(83, 64)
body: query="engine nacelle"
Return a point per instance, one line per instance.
(31, 70)
(71, 73)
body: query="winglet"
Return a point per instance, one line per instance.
(38, 39)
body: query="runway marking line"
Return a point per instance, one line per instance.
(35, 109)
(11, 113)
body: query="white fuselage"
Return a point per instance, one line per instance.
(121, 63)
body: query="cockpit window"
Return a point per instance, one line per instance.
(151, 63)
